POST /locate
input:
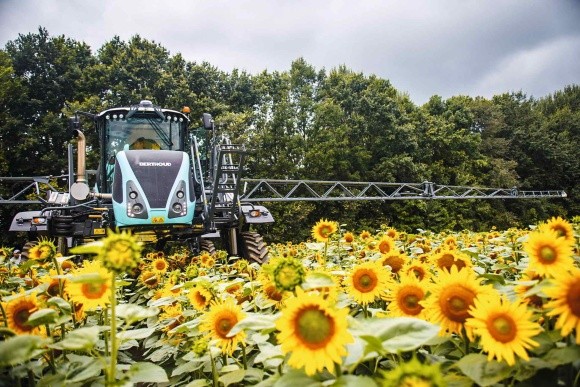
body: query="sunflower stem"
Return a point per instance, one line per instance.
(215, 380)
(113, 334)
(244, 359)
(465, 340)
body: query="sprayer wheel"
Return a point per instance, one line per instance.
(253, 247)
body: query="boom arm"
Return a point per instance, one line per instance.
(268, 190)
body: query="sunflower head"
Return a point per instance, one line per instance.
(561, 227)
(367, 282)
(549, 254)
(348, 237)
(200, 296)
(18, 310)
(220, 320)
(288, 273)
(191, 271)
(446, 258)
(159, 266)
(313, 332)
(90, 285)
(149, 278)
(414, 373)
(45, 250)
(386, 245)
(323, 230)
(120, 252)
(565, 301)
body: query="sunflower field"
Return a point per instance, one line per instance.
(371, 308)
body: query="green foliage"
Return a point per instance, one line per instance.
(303, 123)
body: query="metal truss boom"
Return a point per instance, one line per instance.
(22, 189)
(269, 190)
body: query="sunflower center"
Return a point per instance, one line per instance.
(200, 298)
(547, 254)
(325, 231)
(573, 298)
(455, 301)
(21, 319)
(502, 328)
(224, 325)
(314, 327)
(365, 281)
(409, 298)
(93, 290)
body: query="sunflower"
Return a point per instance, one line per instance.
(565, 301)
(200, 297)
(149, 278)
(549, 254)
(322, 230)
(525, 283)
(287, 273)
(90, 285)
(206, 260)
(348, 237)
(219, 321)
(367, 282)
(505, 328)
(394, 260)
(45, 250)
(561, 227)
(418, 269)
(53, 289)
(18, 311)
(364, 235)
(446, 258)
(159, 266)
(171, 316)
(451, 296)
(386, 245)
(405, 297)
(120, 252)
(314, 333)
(392, 233)
(413, 374)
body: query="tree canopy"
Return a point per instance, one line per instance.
(305, 123)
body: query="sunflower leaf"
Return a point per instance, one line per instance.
(132, 313)
(354, 381)
(18, 349)
(482, 371)
(254, 322)
(81, 339)
(89, 248)
(145, 372)
(42, 316)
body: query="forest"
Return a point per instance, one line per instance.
(303, 123)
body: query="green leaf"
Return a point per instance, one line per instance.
(84, 372)
(60, 303)
(89, 248)
(132, 313)
(255, 322)
(18, 349)
(186, 367)
(42, 316)
(233, 377)
(355, 381)
(317, 281)
(81, 339)
(561, 356)
(396, 335)
(482, 371)
(295, 378)
(136, 334)
(145, 372)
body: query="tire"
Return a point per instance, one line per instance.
(207, 245)
(253, 247)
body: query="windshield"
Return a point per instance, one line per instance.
(145, 132)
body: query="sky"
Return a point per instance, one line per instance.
(423, 47)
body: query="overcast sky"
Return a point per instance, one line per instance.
(424, 47)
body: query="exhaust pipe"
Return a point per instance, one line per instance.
(80, 189)
(81, 157)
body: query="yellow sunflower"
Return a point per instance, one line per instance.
(314, 333)
(414, 374)
(505, 329)
(149, 278)
(348, 237)
(405, 297)
(17, 312)
(364, 235)
(159, 266)
(549, 254)
(90, 285)
(53, 289)
(45, 250)
(323, 229)
(561, 227)
(386, 245)
(418, 269)
(219, 321)
(200, 297)
(392, 233)
(120, 252)
(451, 296)
(446, 258)
(394, 260)
(565, 301)
(367, 282)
